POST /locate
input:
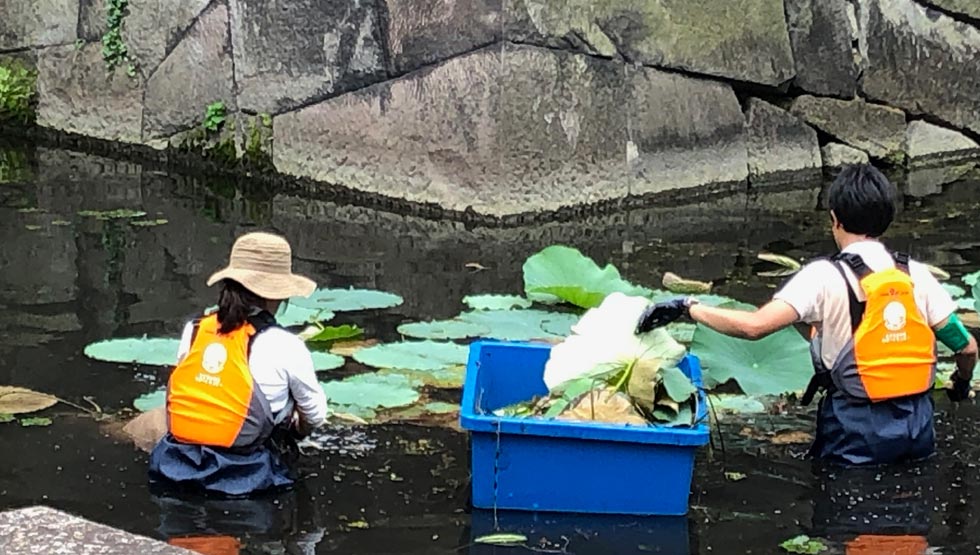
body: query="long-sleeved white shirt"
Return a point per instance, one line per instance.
(282, 367)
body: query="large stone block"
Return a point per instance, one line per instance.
(25, 23)
(42, 530)
(745, 40)
(877, 130)
(836, 155)
(931, 144)
(425, 31)
(289, 53)
(197, 72)
(780, 145)
(519, 130)
(822, 33)
(76, 95)
(153, 28)
(683, 132)
(923, 61)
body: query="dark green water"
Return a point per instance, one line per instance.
(69, 280)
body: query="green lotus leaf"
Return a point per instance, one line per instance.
(682, 332)
(371, 391)
(292, 314)
(413, 355)
(563, 274)
(326, 361)
(443, 329)
(972, 279)
(346, 300)
(779, 363)
(954, 290)
(450, 377)
(150, 401)
(335, 333)
(683, 417)
(976, 296)
(521, 325)
(496, 302)
(438, 407)
(736, 404)
(151, 351)
(679, 387)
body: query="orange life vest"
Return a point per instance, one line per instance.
(211, 396)
(208, 545)
(872, 544)
(893, 351)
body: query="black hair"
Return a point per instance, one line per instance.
(863, 200)
(235, 304)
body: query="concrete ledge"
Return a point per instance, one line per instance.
(44, 531)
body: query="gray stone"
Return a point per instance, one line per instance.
(877, 130)
(26, 23)
(153, 28)
(923, 61)
(780, 145)
(535, 130)
(76, 95)
(737, 39)
(44, 531)
(836, 155)
(92, 23)
(969, 8)
(926, 181)
(684, 133)
(198, 72)
(930, 144)
(822, 35)
(425, 31)
(289, 53)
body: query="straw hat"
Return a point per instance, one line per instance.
(262, 262)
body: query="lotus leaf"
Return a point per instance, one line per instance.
(954, 290)
(604, 342)
(290, 314)
(736, 404)
(443, 329)
(504, 540)
(779, 363)
(348, 348)
(560, 324)
(450, 377)
(605, 405)
(519, 325)
(370, 391)
(135, 350)
(5, 418)
(976, 296)
(438, 407)
(803, 544)
(119, 213)
(315, 334)
(413, 355)
(496, 302)
(682, 332)
(19, 400)
(679, 387)
(563, 274)
(972, 279)
(676, 284)
(37, 421)
(326, 361)
(346, 300)
(150, 401)
(684, 416)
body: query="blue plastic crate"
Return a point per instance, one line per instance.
(539, 464)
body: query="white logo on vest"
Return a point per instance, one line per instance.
(213, 362)
(895, 316)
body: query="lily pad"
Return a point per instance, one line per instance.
(346, 300)
(292, 314)
(563, 274)
(326, 361)
(120, 213)
(370, 391)
(779, 363)
(348, 348)
(151, 351)
(19, 400)
(326, 334)
(803, 544)
(971, 279)
(496, 302)
(450, 377)
(37, 421)
(150, 401)
(413, 355)
(736, 404)
(679, 387)
(5, 418)
(502, 539)
(954, 290)
(682, 332)
(521, 325)
(443, 329)
(438, 407)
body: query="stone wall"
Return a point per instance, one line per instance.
(505, 107)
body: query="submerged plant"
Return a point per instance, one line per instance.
(17, 88)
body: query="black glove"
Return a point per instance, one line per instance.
(661, 314)
(960, 390)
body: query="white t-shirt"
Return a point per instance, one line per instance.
(819, 295)
(282, 367)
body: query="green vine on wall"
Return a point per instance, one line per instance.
(215, 116)
(114, 50)
(17, 88)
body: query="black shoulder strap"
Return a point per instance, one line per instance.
(196, 322)
(260, 321)
(901, 261)
(856, 307)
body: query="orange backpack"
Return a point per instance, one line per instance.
(211, 396)
(893, 351)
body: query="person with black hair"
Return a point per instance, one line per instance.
(243, 387)
(875, 317)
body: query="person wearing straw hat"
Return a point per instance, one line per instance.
(241, 381)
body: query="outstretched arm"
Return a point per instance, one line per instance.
(772, 317)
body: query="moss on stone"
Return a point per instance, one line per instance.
(18, 88)
(14, 166)
(257, 147)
